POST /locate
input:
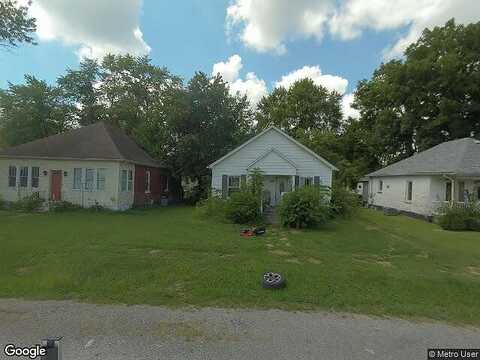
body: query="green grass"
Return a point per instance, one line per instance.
(371, 264)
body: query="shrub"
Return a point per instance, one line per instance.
(305, 207)
(457, 219)
(29, 203)
(243, 207)
(2, 203)
(213, 207)
(63, 206)
(344, 202)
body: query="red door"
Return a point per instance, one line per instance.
(56, 185)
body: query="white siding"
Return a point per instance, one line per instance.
(394, 196)
(110, 198)
(306, 164)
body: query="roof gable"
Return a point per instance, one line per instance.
(274, 128)
(99, 141)
(461, 157)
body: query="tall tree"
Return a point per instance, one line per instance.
(15, 24)
(301, 109)
(33, 110)
(431, 96)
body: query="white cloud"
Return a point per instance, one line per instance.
(266, 25)
(347, 109)
(331, 82)
(251, 86)
(95, 27)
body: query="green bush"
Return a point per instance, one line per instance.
(63, 206)
(305, 207)
(213, 207)
(29, 203)
(344, 202)
(2, 203)
(243, 207)
(458, 219)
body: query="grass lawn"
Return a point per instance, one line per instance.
(371, 264)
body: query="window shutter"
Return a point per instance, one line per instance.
(316, 180)
(243, 180)
(297, 182)
(224, 186)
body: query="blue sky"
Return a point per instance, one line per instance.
(333, 41)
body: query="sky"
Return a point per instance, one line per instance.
(256, 45)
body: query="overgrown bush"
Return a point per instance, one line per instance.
(305, 207)
(460, 218)
(344, 202)
(213, 207)
(63, 206)
(29, 203)
(243, 207)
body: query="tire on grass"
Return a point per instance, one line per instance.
(271, 280)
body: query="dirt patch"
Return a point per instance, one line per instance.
(288, 244)
(270, 245)
(284, 238)
(369, 259)
(422, 256)
(313, 261)
(279, 252)
(293, 261)
(371, 228)
(24, 270)
(154, 252)
(473, 270)
(384, 263)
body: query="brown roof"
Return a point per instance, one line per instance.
(99, 141)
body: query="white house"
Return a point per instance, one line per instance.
(92, 165)
(285, 163)
(446, 173)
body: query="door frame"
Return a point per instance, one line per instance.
(58, 173)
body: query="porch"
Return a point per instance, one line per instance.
(458, 192)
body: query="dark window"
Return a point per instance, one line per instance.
(35, 176)
(233, 184)
(448, 191)
(12, 176)
(147, 181)
(409, 190)
(24, 176)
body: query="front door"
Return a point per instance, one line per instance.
(56, 185)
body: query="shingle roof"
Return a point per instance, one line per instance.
(460, 157)
(99, 141)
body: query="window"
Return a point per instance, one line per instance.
(35, 176)
(101, 179)
(123, 180)
(24, 176)
(380, 186)
(233, 184)
(147, 181)
(89, 179)
(77, 179)
(166, 184)
(12, 176)
(308, 181)
(409, 190)
(130, 180)
(461, 191)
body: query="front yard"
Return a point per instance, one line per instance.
(371, 264)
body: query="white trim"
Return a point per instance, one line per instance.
(266, 153)
(318, 157)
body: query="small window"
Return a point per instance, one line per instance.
(147, 181)
(166, 184)
(89, 179)
(409, 190)
(101, 179)
(308, 181)
(77, 179)
(12, 176)
(233, 184)
(380, 186)
(35, 176)
(24, 176)
(123, 180)
(130, 180)
(448, 191)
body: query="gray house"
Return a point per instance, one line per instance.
(446, 173)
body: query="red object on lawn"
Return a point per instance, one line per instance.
(247, 233)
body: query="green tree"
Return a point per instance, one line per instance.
(15, 25)
(33, 110)
(431, 96)
(302, 109)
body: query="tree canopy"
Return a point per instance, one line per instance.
(15, 24)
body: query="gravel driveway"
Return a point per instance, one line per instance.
(109, 332)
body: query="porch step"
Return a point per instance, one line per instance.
(270, 215)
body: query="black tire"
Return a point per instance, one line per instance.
(271, 280)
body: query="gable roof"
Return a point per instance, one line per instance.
(273, 128)
(99, 141)
(276, 152)
(460, 157)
